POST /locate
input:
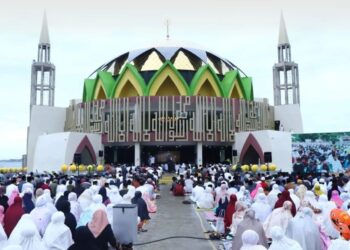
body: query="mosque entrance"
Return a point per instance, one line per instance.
(251, 156)
(165, 154)
(217, 154)
(119, 155)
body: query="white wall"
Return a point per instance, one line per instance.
(44, 120)
(53, 150)
(290, 117)
(277, 142)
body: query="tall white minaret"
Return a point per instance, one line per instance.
(285, 71)
(43, 72)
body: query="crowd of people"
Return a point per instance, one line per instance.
(320, 157)
(271, 211)
(59, 212)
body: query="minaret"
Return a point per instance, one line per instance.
(285, 72)
(43, 72)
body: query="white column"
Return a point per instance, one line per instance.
(199, 153)
(137, 154)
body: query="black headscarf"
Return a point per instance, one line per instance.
(70, 220)
(141, 206)
(84, 240)
(103, 193)
(28, 203)
(62, 198)
(222, 205)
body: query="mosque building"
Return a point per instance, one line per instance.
(168, 103)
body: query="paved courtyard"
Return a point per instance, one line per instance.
(174, 218)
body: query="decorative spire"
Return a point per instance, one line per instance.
(283, 36)
(167, 29)
(44, 36)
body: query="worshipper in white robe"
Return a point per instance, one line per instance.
(61, 188)
(197, 191)
(250, 241)
(261, 208)
(259, 191)
(240, 193)
(26, 221)
(115, 196)
(3, 238)
(49, 202)
(310, 200)
(304, 230)
(109, 211)
(237, 216)
(346, 200)
(29, 241)
(221, 193)
(295, 198)
(249, 222)
(41, 214)
(188, 185)
(206, 200)
(282, 242)
(272, 197)
(339, 244)
(85, 199)
(57, 235)
(75, 208)
(86, 215)
(324, 217)
(279, 217)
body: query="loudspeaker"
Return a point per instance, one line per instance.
(77, 159)
(234, 152)
(277, 125)
(267, 157)
(100, 153)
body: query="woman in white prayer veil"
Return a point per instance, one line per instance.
(240, 193)
(110, 213)
(75, 208)
(85, 199)
(304, 230)
(57, 235)
(86, 215)
(206, 199)
(281, 242)
(250, 241)
(29, 241)
(310, 200)
(3, 238)
(294, 198)
(114, 195)
(324, 218)
(272, 197)
(41, 214)
(339, 244)
(261, 207)
(16, 237)
(279, 217)
(49, 202)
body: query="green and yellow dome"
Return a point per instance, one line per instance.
(168, 71)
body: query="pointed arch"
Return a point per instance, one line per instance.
(232, 85)
(206, 81)
(129, 80)
(247, 84)
(100, 92)
(168, 75)
(85, 146)
(251, 143)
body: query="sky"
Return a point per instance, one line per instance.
(86, 34)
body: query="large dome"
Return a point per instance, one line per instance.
(168, 69)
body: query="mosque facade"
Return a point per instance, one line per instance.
(168, 103)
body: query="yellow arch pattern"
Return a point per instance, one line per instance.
(128, 82)
(100, 92)
(167, 78)
(236, 91)
(207, 85)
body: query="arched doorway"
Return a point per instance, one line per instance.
(86, 152)
(251, 152)
(251, 156)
